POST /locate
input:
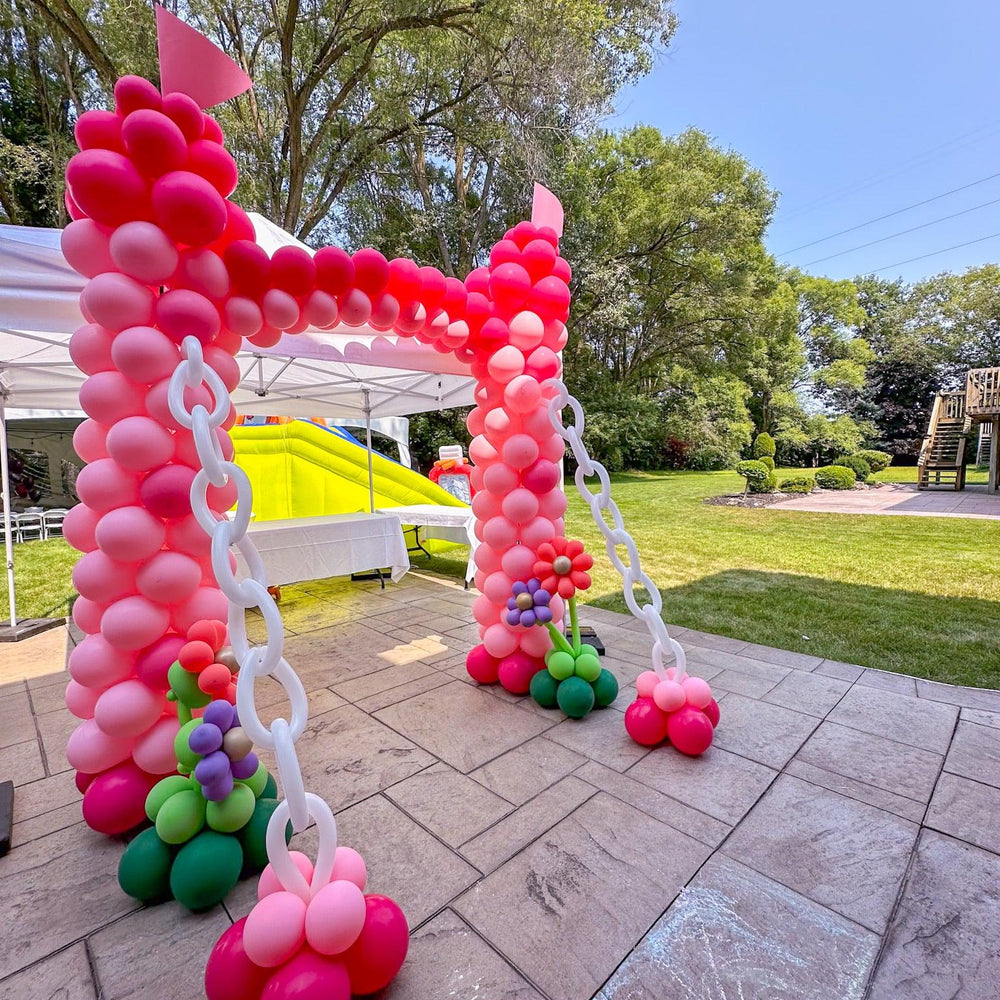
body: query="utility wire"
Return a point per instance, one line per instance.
(889, 215)
(934, 253)
(903, 232)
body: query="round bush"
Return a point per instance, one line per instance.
(798, 484)
(763, 445)
(878, 460)
(835, 477)
(757, 476)
(861, 469)
(767, 460)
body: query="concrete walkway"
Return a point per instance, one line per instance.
(900, 498)
(839, 841)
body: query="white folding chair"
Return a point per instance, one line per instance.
(30, 525)
(52, 521)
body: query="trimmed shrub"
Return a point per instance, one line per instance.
(878, 460)
(871, 481)
(835, 477)
(763, 445)
(798, 484)
(767, 460)
(862, 470)
(757, 475)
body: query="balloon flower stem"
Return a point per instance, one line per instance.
(574, 622)
(558, 639)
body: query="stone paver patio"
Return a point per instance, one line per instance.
(901, 498)
(839, 841)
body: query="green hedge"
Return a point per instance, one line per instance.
(835, 477)
(763, 446)
(760, 479)
(798, 484)
(767, 460)
(861, 469)
(878, 460)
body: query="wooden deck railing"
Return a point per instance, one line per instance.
(982, 392)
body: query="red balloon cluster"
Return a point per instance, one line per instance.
(684, 714)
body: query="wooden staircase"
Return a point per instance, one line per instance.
(942, 455)
(984, 449)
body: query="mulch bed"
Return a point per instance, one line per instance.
(769, 499)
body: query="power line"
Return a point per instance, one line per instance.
(934, 253)
(889, 215)
(903, 232)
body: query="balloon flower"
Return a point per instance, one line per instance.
(681, 712)
(210, 819)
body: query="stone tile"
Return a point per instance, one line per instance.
(346, 756)
(75, 872)
(811, 693)
(45, 795)
(844, 671)
(136, 958)
(980, 717)
(768, 734)
(523, 772)
(975, 753)
(504, 839)
(441, 721)
(17, 724)
(22, 762)
(270, 696)
(447, 960)
(30, 829)
(967, 810)
(965, 696)
(13, 689)
(909, 809)
(900, 683)
(59, 675)
(739, 682)
(600, 736)
(448, 803)
(56, 729)
(919, 723)
(781, 657)
(839, 852)
(63, 976)
(886, 764)
(943, 939)
(49, 699)
(594, 884)
(356, 688)
(428, 682)
(697, 638)
(721, 659)
(719, 783)
(695, 824)
(734, 933)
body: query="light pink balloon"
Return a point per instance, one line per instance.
(134, 622)
(500, 533)
(154, 750)
(145, 355)
(81, 700)
(499, 641)
(168, 578)
(506, 364)
(537, 530)
(158, 407)
(205, 602)
(104, 485)
(526, 331)
(85, 246)
(520, 451)
(481, 451)
(269, 883)
(500, 478)
(203, 271)
(117, 301)
(552, 448)
(669, 696)
(90, 349)
(486, 504)
(128, 709)
(90, 750)
(552, 505)
(475, 422)
(144, 252)
(335, 917)
(100, 578)
(497, 587)
(536, 641)
(537, 424)
(349, 865)
(275, 929)
(280, 309)
(697, 691)
(225, 366)
(522, 394)
(497, 426)
(321, 310)
(518, 562)
(243, 316)
(187, 452)
(79, 526)
(187, 535)
(356, 308)
(110, 396)
(140, 444)
(89, 440)
(645, 683)
(95, 663)
(87, 615)
(520, 506)
(130, 534)
(485, 611)
(487, 558)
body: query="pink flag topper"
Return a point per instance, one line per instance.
(546, 209)
(191, 64)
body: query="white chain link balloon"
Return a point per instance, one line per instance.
(615, 537)
(257, 661)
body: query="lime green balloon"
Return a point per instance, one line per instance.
(543, 689)
(252, 835)
(185, 685)
(588, 649)
(257, 782)
(162, 791)
(182, 751)
(270, 789)
(575, 697)
(560, 664)
(605, 689)
(233, 812)
(205, 869)
(181, 817)
(588, 667)
(144, 869)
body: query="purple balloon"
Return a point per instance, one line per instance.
(211, 768)
(217, 790)
(542, 596)
(513, 617)
(533, 584)
(205, 738)
(246, 768)
(520, 587)
(220, 713)
(543, 615)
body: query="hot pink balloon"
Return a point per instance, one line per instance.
(189, 208)
(541, 477)
(167, 491)
(152, 664)
(134, 622)
(183, 313)
(114, 801)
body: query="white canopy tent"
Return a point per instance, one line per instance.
(347, 372)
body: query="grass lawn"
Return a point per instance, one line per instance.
(918, 595)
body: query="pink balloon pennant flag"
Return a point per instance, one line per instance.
(547, 210)
(191, 64)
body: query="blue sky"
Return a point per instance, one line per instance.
(853, 110)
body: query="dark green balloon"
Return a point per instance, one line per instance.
(543, 689)
(144, 869)
(185, 685)
(253, 834)
(605, 689)
(270, 789)
(205, 869)
(575, 697)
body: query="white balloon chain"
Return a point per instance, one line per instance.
(631, 567)
(299, 806)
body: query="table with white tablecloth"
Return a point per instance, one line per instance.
(314, 548)
(453, 524)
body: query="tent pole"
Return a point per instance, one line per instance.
(8, 541)
(368, 444)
